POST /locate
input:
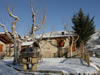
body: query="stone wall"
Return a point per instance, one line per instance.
(49, 47)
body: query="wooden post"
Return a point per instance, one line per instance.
(10, 49)
(71, 46)
(71, 52)
(88, 59)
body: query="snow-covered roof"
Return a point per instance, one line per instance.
(2, 32)
(27, 43)
(56, 34)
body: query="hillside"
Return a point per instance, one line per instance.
(94, 43)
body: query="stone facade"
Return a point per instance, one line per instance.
(50, 49)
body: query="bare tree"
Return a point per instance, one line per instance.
(16, 41)
(38, 26)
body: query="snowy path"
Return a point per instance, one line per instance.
(5, 70)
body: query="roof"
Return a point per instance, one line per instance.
(2, 32)
(27, 43)
(56, 34)
(4, 38)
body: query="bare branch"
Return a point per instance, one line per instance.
(37, 11)
(10, 14)
(37, 27)
(77, 38)
(44, 18)
(41, 36)
(5, 30)
(14, 22)
(33, 20)
(4, 27)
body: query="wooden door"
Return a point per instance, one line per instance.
(1, 47)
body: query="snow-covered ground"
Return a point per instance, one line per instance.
(96, 61)
(67, 66)
(5, 70)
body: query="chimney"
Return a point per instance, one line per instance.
(62, 33)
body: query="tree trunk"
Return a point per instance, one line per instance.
(17, 48)
(82, 49)
(15, 61)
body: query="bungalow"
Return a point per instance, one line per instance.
(57, 44)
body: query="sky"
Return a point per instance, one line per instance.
(57, 12)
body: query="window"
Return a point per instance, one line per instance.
(60, 42)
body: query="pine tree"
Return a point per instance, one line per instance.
(83, 26)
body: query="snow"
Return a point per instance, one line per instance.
(5, 70)
(56, 34)
(67, 66)
(96, 61)
(96, 35)
(95, 66)
(27, 43)
(97, 46)
(2, 32)
(93, 44)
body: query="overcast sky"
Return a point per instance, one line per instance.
(58, 12)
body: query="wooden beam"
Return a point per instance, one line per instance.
(1, 39)
(5, 38)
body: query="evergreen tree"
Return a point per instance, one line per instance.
(83, 26)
